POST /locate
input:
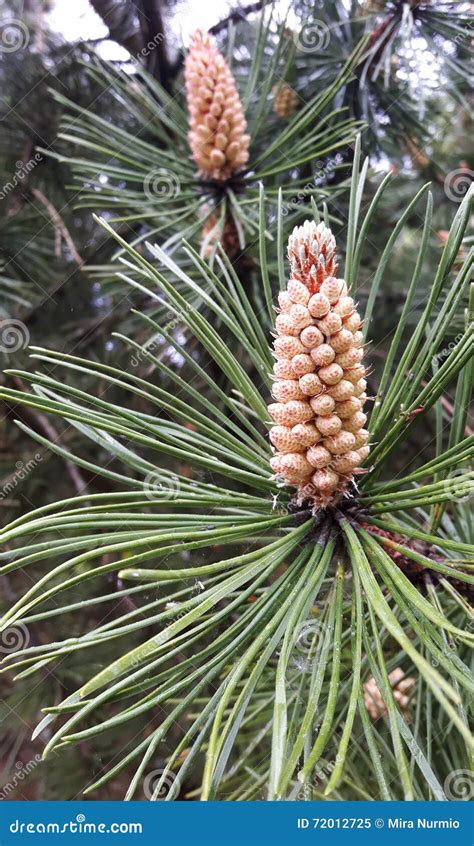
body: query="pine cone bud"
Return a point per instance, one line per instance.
(401, 686)
(286, 100)
(217, 231)
(313, 262)
(217, 137)
(319, 439)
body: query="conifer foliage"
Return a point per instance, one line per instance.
(291, 610)
(259, 586)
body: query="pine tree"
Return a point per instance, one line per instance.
(235, 620)
(244, 607)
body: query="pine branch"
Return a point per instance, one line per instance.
(44, 425)
(238, 15)
(123, 25)
(61, 230)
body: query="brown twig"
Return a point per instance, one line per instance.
(122, 23)
(61, 230)
(237, 15)
(42, 423)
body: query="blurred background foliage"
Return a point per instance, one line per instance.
(86, 96)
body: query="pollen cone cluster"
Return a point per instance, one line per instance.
(286, 100)
(217, 137)
(401, 687)
(320, 387)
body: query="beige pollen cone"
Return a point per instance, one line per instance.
(286, 100)
(319, 437)
(401, 687)
(217, 137)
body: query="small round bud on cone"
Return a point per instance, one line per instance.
(355, 422)
(311, 384)
(283, 368)
(342, 341)
(217, 137)
(331, 375)
(341, 443)
(351, 358)
(348, 407)
(323, 355)
(324, 404)
(329, 424)
(361, 438)
(303, 364)
(298, 292)
(319, 305)
(284, 441)
(353, 322)
(326, 481)
(330, 324)
(320, 381)
(288, 347)
(311, 337)
(345, 464)
(345, 307)
(344, 390)
(355, 374)
(360, 387)
(285, 325)
(300, 316)
(319, 457)
(295, 466)
(333, 289)
(290, 413)
(306, 434)
(284, 301)
(287, 389)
